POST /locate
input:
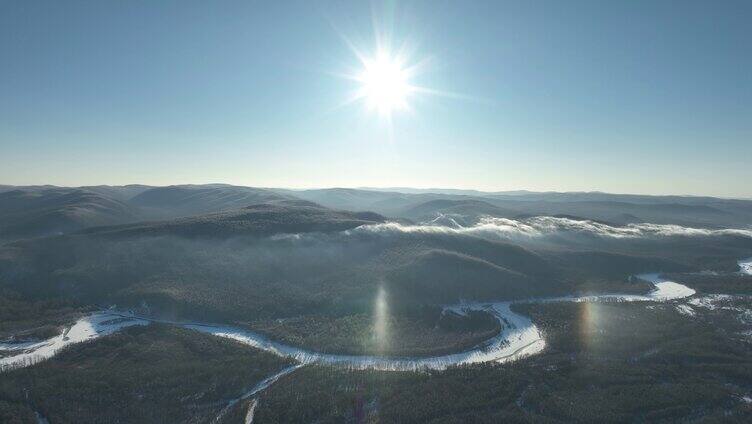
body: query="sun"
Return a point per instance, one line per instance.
(384, 83)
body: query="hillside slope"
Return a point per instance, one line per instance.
(32, 213)
(188, 200)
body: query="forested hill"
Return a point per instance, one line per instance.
(280, 217)
(33, 211)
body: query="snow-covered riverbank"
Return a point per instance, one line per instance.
(87, 328)
(519, 336)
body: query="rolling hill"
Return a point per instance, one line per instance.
(188, 200)
(47, 211)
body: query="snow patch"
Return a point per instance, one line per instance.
(12, 346)
(251, 411)
(710, 301)
(87, 328)
(685, 310)
(666, 289)
(745, 266)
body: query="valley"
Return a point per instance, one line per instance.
(370, 304)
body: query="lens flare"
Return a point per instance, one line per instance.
(381, 320)
(384, 83)
(588, 324)
(595, 320)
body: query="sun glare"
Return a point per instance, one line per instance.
(385, 84)
(387, 75)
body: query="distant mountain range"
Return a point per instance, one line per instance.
(224, 253)
(32, 211)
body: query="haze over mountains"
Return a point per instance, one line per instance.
(224, 252)
(32, 211)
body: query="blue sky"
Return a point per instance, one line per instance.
(632, 97)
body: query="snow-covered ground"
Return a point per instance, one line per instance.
(251, 411)
(745, 266)
(87, 328)
(710, 301)
(685, 310)
(666, 289)
(26, 345)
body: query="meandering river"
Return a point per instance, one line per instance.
(519, 336)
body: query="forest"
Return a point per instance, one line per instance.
(629, 364)
(151, 374)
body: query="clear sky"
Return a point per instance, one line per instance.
(633, 96)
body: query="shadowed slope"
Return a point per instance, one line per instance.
(30, 213)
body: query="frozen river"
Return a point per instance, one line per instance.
(519, 336)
